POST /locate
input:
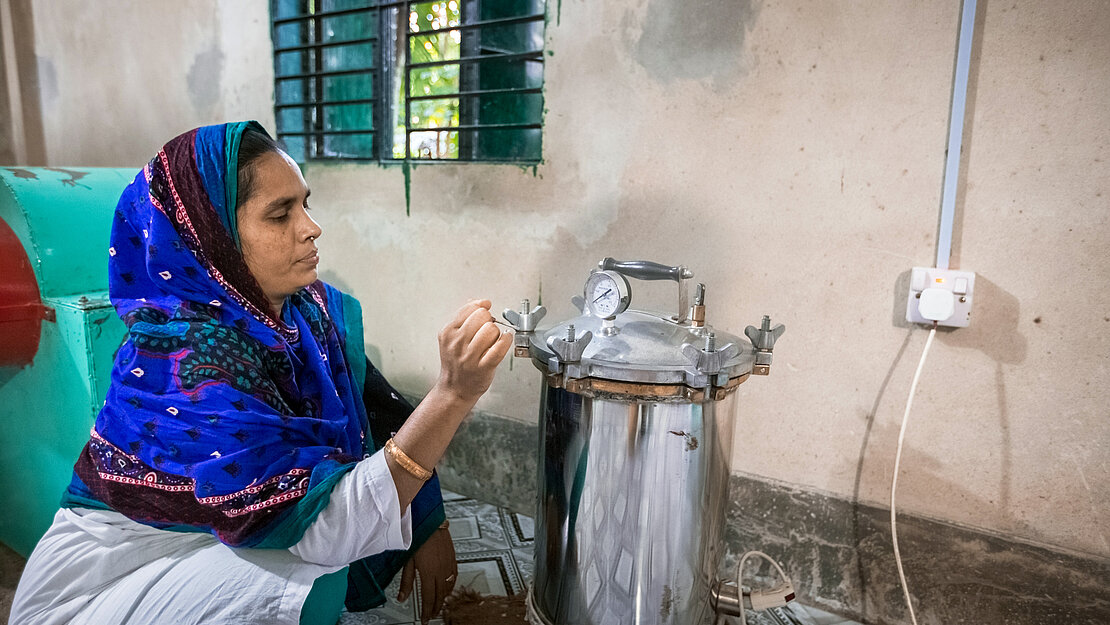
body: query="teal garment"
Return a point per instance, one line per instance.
(366, 580)
(233, 137)
(362, 585)
(324, 603)
(217, 153)
(354, 350)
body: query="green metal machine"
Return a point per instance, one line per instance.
(58, 333)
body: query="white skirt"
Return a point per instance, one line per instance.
(97, 567)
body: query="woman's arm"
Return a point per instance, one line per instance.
(470, 348)
(360, 519)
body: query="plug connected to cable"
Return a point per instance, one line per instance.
(733, 600)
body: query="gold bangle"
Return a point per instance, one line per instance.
(408, 464)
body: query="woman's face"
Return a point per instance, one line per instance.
(276, 232)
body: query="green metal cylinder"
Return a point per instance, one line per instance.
(63, 218)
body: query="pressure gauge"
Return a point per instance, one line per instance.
(607, 294)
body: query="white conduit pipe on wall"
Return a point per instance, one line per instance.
(955, 135)
(944, 248)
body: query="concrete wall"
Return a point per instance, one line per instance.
(790, 153)
(115, 80)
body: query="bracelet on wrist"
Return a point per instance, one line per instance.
(408, 464)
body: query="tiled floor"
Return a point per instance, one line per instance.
(820, 617)
(494, 550)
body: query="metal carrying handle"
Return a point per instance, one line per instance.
(645, 270)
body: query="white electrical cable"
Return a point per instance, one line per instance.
(894, 481)
(740, 578)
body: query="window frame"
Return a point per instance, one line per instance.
(384, 84)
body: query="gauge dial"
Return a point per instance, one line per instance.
(607, 294)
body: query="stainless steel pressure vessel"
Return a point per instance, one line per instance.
(636, 426)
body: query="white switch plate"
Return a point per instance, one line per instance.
(922, 278)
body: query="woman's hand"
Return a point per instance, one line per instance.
(435, 562)
(470, 348)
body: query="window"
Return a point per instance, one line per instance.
(381, 80)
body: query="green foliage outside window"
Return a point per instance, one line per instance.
(361, 79)
(427, 81)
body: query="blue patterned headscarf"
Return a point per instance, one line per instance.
(220, 417)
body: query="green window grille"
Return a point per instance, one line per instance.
(458, 80)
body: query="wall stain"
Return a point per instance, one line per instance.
(677, 43)
(203, 78)
(48, 81)
(406, 169)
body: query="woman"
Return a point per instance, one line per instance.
(247, 453)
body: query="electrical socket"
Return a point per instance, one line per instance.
(936, 293)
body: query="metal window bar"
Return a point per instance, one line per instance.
(314, 110)
(326, 14)
(322, 133)
(520, 126)
(297, 105)
(384, 114)
(504, 21)
(326, 44)
(535, 55)
(318, 68)
(465, 61)
(478, 92)
(405, 86)
(314, 106)
(323, 74)
(470, 44)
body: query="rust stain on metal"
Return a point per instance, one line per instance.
(74, 176)
(599, 387)
(22, 173)
(691, 441)
(666, 603)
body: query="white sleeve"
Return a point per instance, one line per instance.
(362, 518)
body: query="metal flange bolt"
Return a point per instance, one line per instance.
(710, 360)
(763, 340)
(568, 354)
(570, 348)
(524, 324)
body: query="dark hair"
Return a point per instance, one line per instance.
(252, 146)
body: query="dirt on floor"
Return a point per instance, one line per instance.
(11, 567)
